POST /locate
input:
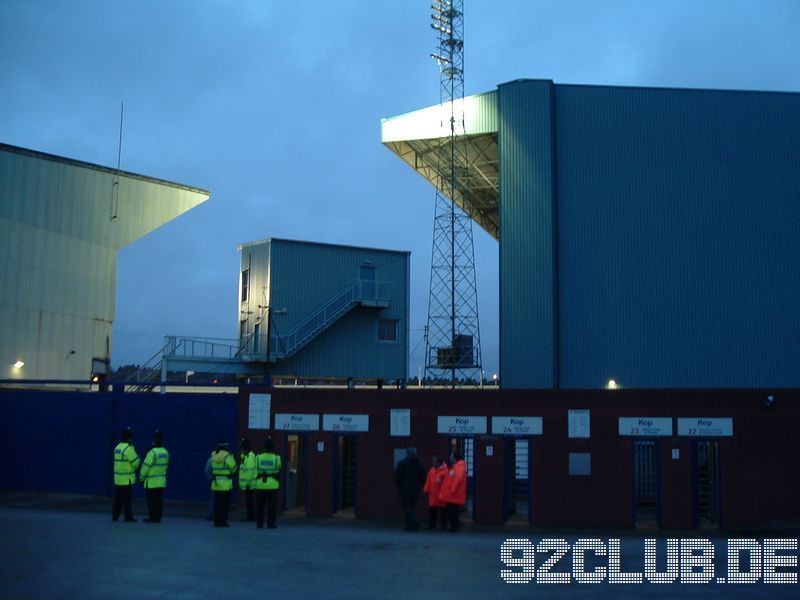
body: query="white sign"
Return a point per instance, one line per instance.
(489, 450)
(320, 446)
(645, 426)
(705, 426)
(258, 413)
(578, 423)
(676, 454)
(303, 422)
(400, 424)
(345, 423)
(517, 425)
(461, 425)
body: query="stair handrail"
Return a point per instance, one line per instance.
(308, 327)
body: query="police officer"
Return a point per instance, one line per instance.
(247, 477)
(154, 478)
(223, 466)
(268, 468)
(126, 461)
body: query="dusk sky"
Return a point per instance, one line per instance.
(275, 108)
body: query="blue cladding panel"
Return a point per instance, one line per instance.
(678, 252)
(62, 441)
(307, 275)
(527, 294)
(679, 213)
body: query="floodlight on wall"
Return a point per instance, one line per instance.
(18, 365)
(769, 400)
(612, 385)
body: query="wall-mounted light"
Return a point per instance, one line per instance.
(769, 400)
(18, 365)
(612, 385)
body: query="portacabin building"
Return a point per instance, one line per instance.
(647, 235)
(315, 311)
(62, 222)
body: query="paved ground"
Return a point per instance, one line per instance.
(63, 546)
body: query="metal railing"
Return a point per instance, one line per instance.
(361, 292)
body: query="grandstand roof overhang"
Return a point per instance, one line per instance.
(421, 138)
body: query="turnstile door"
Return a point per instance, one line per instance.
(707, 483)
(347, 471)
(645, 478)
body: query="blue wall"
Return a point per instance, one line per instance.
(528, 302)
(677, 244)
(63, 441)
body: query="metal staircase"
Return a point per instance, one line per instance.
(243, 356)
(361, 293)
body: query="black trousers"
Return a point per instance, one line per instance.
(155, 504)
(222, 505)
(409, 504)
(122, 500)
(433, 513)
(453, 512)
(268, 499)
(250, 503)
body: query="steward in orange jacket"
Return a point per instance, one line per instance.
(433, 487)
(454, 490)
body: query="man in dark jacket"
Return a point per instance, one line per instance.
(409, 478)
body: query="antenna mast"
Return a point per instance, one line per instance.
(452, 346)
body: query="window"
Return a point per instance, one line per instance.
(245, 283)
(387, 330)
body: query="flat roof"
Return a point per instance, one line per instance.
(351, 247)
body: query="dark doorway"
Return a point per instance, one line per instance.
(706, 484)
(646, 484)
(295, 457)
(345, 475)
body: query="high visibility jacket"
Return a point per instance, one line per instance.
(223, 466)
(247, 471)
(268, 465)
(154, 468)
(454, 488)
(433, 485)
(126, 461)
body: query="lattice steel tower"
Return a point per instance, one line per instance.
(452, 344)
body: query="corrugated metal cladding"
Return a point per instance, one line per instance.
(678, 254)
(527, 261)
(303, 277)
(61, 224)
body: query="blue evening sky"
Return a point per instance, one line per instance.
(275, 107)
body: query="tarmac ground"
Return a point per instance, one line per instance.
(66, 546)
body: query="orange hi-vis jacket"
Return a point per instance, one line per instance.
(454, 489)
(433, 485)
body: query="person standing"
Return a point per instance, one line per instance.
(268, 468)
(454, 490)
(433, 487)
(223, 466)
(126, 461)
(247, 476)
(409, 477)
(154, 478)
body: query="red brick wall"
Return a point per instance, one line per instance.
(760, 476)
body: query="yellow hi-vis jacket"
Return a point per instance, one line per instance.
(247, 471)
(268, 464)
(223, 466)
(154, 468)
(126, 461)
